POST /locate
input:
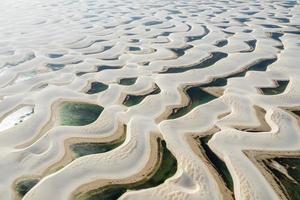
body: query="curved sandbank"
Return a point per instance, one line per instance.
(165, 167)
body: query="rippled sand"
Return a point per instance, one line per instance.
(149, 99)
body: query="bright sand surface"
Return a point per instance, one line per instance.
(52, 51)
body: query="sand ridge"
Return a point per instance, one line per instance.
(51, 52)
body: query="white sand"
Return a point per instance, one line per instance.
(16, 117)
(89, 34)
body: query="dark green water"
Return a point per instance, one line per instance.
(216, 56)
(24, 186)
(242, 20)
(181, 51)
(259, 66)
(216, 162)
(167, 168)
(132, 100)
(271, 26)
(275, 35)
(296, 112)
(127, 81)
(197, 97)
(134, 48)
(106, 67)
(199, 37)
(79, 114)
(278, 90)
(151, 23)
(83, 149)
(55, 55)
(97, 87)
(87, 148)
(293, 32)
(221, 43)
(251, 44)
(292, 165)
(216, 82)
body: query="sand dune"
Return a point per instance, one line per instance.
(217, 81)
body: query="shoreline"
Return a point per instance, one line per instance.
(148, 170)
(68, 155)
